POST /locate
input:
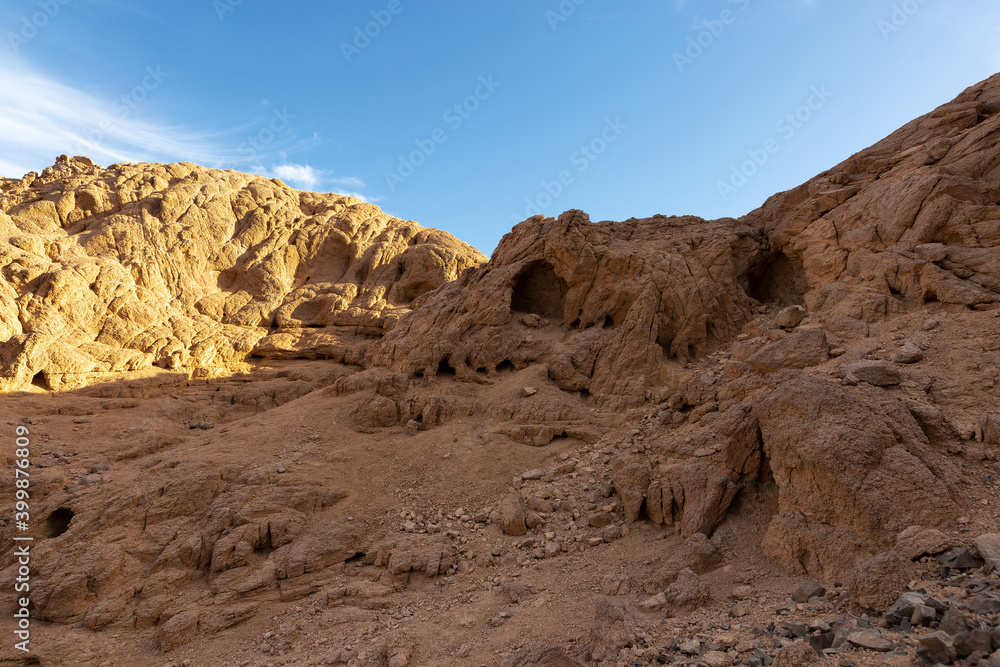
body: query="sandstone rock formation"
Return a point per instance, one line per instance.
(270, 399)
(119, 269)
(603, 305)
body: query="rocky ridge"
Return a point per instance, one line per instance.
(181, 267)
(655, 431)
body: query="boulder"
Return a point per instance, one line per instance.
(513, 515)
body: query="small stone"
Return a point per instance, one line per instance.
(953, 622)
(984, 604)
(795, 628)
(513, 515)
(988, 546)
(790, 317)
(870, 640)
(819, 626)
(808, 590)
(903, 609)
(655, 603)
(922, 615)
(908, 354)
(739, 610)
(690, 647)
(937, 647)
(716, 659)
(961, 560)
(528, 391)
(538, 473)
(968, 643)
(876, 373)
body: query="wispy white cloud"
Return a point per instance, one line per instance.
(301, 176)
(305, 177)
(41, 118)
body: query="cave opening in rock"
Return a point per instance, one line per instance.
(58, 521)
(777, 279)
(505, 366)
(538, 290)
(444, 368)
(757, 499)
(39, 381)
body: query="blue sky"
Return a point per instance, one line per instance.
(469, 116)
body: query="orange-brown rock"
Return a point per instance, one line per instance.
(119, 269)
(446, 459)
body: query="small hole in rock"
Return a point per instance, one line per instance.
(58, 521)
(444, 368)
(39, 381)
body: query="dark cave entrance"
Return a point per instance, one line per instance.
(778, 279)
(538, 290)
(58, 522)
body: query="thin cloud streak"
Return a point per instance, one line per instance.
(41, 118)
(305, 177)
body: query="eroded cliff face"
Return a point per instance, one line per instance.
(914, 219)
(120, 269)
(815, 382)
(607, 307)
(621, 311)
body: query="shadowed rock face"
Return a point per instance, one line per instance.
(820, 374)
(117, 269)
(617, 300)
(911, 220)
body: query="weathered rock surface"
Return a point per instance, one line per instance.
(118, 269)
(622, 297)
(812, 386)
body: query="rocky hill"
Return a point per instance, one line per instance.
(276, 428)
(180, 267)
